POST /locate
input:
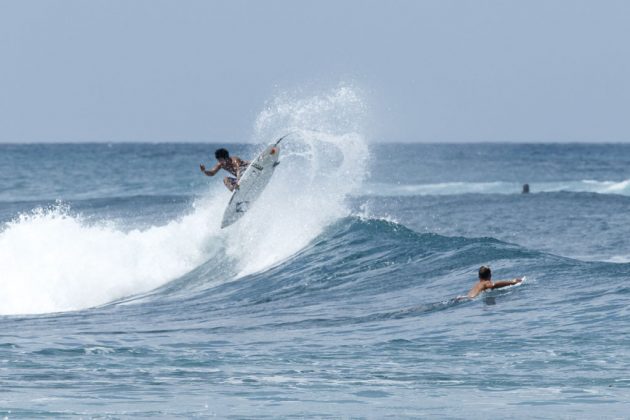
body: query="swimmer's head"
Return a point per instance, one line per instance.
(485, 273)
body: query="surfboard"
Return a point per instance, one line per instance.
(252, 183)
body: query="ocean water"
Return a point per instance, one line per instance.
(333, 297)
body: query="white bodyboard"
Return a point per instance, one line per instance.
(251, 185)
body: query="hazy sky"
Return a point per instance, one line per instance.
(431, 71)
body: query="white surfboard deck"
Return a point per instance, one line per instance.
(252, 184)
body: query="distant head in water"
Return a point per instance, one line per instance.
(221, 154)
(525, 188)
(485, 273)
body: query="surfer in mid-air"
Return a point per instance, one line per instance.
(233, 164)
(485, 282)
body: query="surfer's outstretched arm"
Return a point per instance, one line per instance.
(499, 284)
(212, 171)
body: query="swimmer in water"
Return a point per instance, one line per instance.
(485, 282)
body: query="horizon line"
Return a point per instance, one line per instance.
(212, 142)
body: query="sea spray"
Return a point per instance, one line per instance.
(322, 162)
(55, 260)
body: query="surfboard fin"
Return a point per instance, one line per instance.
(282, 138)
(241, 206)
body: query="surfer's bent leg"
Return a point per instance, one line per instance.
(230, 183)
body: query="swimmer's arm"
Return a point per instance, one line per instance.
(473, 293)
(211, 172)
(499, 284)
(478, 288)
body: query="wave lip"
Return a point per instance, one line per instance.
(495, 187)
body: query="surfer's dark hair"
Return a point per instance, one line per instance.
(485, 273)
(221, 154)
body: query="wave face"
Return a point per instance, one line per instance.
(335, 296)
(362, 315)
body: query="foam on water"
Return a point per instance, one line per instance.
(53, 260)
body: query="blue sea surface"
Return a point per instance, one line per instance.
(334, 297)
